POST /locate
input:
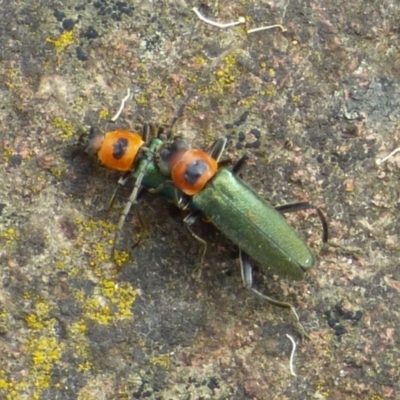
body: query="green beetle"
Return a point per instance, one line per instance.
(235, 209)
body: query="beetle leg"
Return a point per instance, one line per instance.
(131, 201)
(295, 207)
(179, 199)
(182, 201)
(177, 194)
(189, 220)
(247, 277)
(163, 132)
(148, 130)
(143, 228)
(161, 187)
(218, 148)
(240, 164)
(121, 182)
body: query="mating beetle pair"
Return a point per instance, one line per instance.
(193, 180)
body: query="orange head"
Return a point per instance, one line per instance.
(191, 170)
(117, 149)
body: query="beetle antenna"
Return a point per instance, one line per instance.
(247, 278)
(305, 205)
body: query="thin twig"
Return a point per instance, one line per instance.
(240, 21)
(124, 100)
(292, 355)
(395, 151)
(263, 28)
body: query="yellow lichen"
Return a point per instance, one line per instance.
(43, 345)
(99, 250)
(268, 92)
(163, 360)
(200, 60)
(65, 252)
(103, 114)
(86, 366)
(121, 257)
(65, 39)
(112, 301)
(95, 310)
(248, 102)
(13, 79)
(56, 173)
(225, 75)
(101, 253)
(78, 328)
(7, 153)
(4, 384)
(80, 296)
(9, 234)
(141, 99)
(67, 128)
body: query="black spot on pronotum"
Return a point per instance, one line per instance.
(119, 148)
(194, 171)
